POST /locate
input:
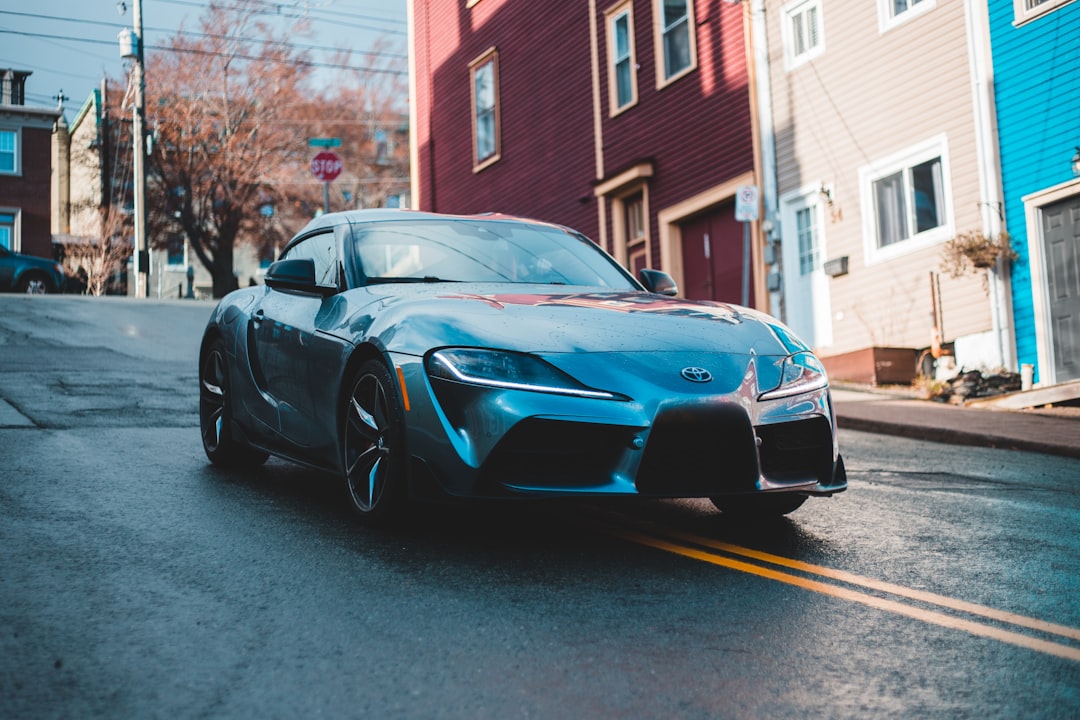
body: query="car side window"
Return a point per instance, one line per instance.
(321, 248)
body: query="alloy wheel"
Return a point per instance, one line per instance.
(367, 447)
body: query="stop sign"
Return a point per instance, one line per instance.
(326, 166)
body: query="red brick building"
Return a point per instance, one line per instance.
(629, 120)
(25, 169)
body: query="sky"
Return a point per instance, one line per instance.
(70, 45)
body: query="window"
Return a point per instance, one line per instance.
(9, 159)
(321, 248)
(636, 234)
(676, 52)
(7, 230)
(1027, 10)
(809, 244)
(484, 72)
(175, 248)
(906, 200)
(803, 33)
(896, 12)
(622, 68)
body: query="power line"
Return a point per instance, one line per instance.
(163, 48)
(275, 10)
(295, 46)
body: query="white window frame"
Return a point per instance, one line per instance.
(660, 36)
(1025, 12)
(903, 161)
(15, 243)
(794, 12)
(17, 163)
(887, 20)
(489, 56)
(613, 15)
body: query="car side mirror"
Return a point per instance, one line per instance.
(658, 282)
(297, 276)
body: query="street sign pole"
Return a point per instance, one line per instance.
(326, 166)
(746, 211)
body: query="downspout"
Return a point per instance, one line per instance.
(760, 71)
(598, 126)
(991, 203)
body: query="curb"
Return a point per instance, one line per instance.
(956, 437)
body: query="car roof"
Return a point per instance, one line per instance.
(333, 219)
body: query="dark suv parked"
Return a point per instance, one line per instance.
(29, 274)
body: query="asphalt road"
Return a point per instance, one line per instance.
(138, 582)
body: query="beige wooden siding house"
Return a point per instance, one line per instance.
(883, 154)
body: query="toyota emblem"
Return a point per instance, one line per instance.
(696, 374)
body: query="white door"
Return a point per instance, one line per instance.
(806, 287)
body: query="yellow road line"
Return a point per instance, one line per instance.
(928, 616)
(910, 593)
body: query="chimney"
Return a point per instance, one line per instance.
(13, 87)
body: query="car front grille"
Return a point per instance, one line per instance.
(699, 451)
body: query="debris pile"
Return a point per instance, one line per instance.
(974, 384)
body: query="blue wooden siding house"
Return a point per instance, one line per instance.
(1036, 62)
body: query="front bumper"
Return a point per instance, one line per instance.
(472, 441)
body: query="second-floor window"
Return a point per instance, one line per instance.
(676, 52)
(906, 200)
(1026, 10)
(9, 140)
(803, 33)
(895, 12)
(485, 98)
(623, 67)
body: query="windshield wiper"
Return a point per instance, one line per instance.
(424, 279)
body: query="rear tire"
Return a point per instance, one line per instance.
(215, 414)
(759, 506)
(373, 442)
(33, 283)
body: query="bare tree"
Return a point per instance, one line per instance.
(219, 108)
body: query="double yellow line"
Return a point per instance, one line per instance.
(705, 550)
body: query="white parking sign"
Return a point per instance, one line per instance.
(746, 203)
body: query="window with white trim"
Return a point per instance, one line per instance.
(1027, 10)
(9, 156)
(896, 12)
(636, 232)
(676, 52)
(7, 230)
(906, 200)
(803, 32)
(484, 75)
(622, 67)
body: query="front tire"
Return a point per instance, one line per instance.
(759, 506)
(215, 414)
(374, 436)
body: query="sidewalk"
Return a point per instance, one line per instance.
(1053, 432)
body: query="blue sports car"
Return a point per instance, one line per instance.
(426, 356)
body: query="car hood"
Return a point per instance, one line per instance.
(416, 318)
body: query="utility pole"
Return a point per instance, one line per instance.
(133, 49)
(139, 133)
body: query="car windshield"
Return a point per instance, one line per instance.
(480, 250)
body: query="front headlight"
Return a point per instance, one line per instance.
(502, 369)
(802, 373)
